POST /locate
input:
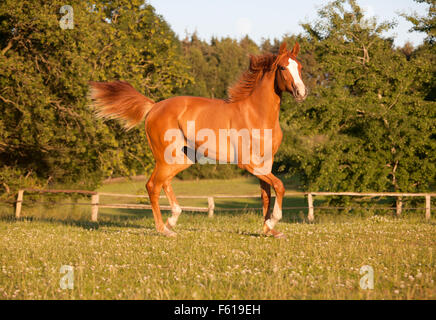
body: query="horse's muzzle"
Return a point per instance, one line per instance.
(298, 96)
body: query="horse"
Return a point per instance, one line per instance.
(253, 103)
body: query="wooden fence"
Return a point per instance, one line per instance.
(95, 200)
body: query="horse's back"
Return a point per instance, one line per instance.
(177, 108)
(184, 102)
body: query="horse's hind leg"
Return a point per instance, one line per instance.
(154, 185)
(161, 177)
(175, 207)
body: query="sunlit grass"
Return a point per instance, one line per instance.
(219, 258)
(122, 256)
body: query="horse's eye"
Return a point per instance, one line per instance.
(282, 68)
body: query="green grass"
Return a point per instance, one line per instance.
(122, 257)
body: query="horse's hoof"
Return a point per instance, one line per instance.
(168, 233)
(168, 225)
(278, 234)
(274, 233)
(266, 231)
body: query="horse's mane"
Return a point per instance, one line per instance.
(248, 80)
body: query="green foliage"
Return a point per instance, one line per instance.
(427, 23)
(12, 179)
(366, 124)
(426, 53)
(217, 65)
(46, 125)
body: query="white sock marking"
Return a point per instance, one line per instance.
(276, 216)
(176, 211)
(277, 212)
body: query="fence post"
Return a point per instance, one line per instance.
(211, 206)
(427, 206)
(18, 204)
(94, 208)
(310, 205)
(399, 206)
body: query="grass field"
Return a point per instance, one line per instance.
(122, 257)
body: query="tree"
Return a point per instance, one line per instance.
(426, 24)
(47, 131)
(366, 125)
(217, 65)
(426, 54)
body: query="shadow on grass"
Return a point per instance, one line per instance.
(243, 233)
(85, 224)
(130, 222)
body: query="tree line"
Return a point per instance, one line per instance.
(368, 123)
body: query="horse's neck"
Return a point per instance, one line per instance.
(265, 101)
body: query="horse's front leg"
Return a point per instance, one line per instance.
(270, 220)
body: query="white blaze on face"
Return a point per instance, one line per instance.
(293, 69)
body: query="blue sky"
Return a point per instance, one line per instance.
(271, 18)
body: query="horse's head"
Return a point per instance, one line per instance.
(288, 74)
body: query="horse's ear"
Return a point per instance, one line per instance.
(282, 48)
(295, 49)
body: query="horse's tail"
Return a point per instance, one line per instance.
(119, 100)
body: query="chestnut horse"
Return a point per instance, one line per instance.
(253, 102)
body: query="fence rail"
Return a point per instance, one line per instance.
(95, 200)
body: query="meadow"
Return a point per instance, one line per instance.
(224, 257)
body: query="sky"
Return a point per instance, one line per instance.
(272, 18)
